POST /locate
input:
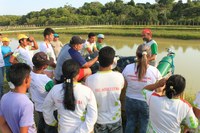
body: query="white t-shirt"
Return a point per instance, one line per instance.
(107, 86)
(1, 59)
(86, 45)
(166, 114)
(47, 48)
(134, 87)
(23, 55)
(81, 120)
(41, 84)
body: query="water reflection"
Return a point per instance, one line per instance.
(187, 62)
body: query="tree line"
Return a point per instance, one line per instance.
(117, 12)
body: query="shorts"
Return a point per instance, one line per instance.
(81, 74)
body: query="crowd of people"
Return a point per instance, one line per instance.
(68, 98)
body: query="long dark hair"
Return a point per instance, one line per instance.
(142, 53)
(175, 85)
(70, 69)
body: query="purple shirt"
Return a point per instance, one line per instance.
(17, 110)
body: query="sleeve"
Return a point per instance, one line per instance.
(95, 45)
(1, 113)
(154, 48)
(43, 48)
(48, 109)
(27, 118)
(86, 45)
(91, 116)
(197, 101)
(77, 57)
(49, 85)
(2, 51)
(16, 53)
(191, 121)
(147, 95)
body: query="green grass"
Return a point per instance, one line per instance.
(170, 31)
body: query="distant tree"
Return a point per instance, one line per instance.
(132, 3)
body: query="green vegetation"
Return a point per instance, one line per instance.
(178, 32)
(164, 12)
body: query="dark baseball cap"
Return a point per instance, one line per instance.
(40, 59)
(76, 40)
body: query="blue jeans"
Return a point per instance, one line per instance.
(137, 114)
(108, 128)
(1, 81)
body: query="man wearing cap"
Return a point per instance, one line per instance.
(147, 37)
(99, 43)
(71, 51)
(47, 48)
(21, 54)
(1, 71)
(56, 44)
(90, 45)
(107, 85)
(6, 51)
(41, 84)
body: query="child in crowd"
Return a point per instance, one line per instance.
(16, 109)
(168, 111)
(6, 51)
(41, 84)
(75, 103)
(107, 85)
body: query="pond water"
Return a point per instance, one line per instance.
(187, 59)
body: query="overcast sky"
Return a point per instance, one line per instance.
(22, 7)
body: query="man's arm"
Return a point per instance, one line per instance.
(4, 126)
(35, 45)
(89, 50)
(196, 112)
(153, 57)
(90, 63)
(158, 84)
(13, 59)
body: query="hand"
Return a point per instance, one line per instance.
(31, 39)
(161, 82)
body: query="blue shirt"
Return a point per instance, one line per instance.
(6, 50)
(67, 53)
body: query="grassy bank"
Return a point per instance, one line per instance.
(178, 32)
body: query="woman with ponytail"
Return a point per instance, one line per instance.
(75, 103)
(169, 111)
(138, 75)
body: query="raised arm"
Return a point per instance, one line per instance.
(158, 84)
(35, 45)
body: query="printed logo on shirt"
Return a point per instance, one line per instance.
(107, 89)
(135, 78)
